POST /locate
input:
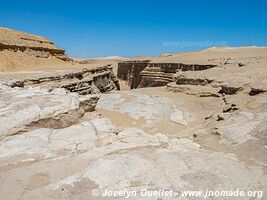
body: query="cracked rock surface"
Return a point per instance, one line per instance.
(124, 145)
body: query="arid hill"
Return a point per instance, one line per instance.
(19, 50)
(213, 55)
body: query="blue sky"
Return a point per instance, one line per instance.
(134, 28)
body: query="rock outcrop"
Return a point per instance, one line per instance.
(35, 107)
(19, 49)
(95, 154)
(146, 74)
(130, 72)
(215, 82)
(87, 81)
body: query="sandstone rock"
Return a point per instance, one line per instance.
(48, 143)
(149, 107)
(19, 49)
(176, 167)
(178, 117)
(146, 74)
(88, 81)
(33, 45)
(240, 127)
(201, 91)
(104, 127)
(32, 105)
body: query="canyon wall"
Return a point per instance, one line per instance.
(145, 74)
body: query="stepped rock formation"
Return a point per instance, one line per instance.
(87, 81)
(146, 74)
(19, 50)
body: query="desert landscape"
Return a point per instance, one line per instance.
(77, 128)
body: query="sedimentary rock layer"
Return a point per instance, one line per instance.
(84, 82)
(146, 74)
(22, 107)
(19, 49)
(31, 44)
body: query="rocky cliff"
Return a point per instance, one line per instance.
(146, 74)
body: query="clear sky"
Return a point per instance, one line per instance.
(134, 27)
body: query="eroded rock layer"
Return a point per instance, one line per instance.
(87, 81)
(19, 50)
(33, 45)
(145, 74)
(21, 107)
(219, 81)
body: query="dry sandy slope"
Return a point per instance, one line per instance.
(215, 55)
(21, 51)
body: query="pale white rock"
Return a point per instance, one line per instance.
(240, 127)
(136, 135)
(117, 171)
(32, 143)
(59, 91)
(29, 92)
(14, 121)
(178, 117)
(114, 99)
(184, 143)
(26, 105)
(48, 143)
(104, 127)
(149, 124)
(162, 138)
(73, 138)
(182, 168)
(151, 107)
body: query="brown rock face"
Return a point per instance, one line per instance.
(145, 74)
(15, 38)
(19, 49)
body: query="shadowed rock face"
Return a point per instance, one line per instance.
(130, 72)
(87, 81)
(146, 74)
